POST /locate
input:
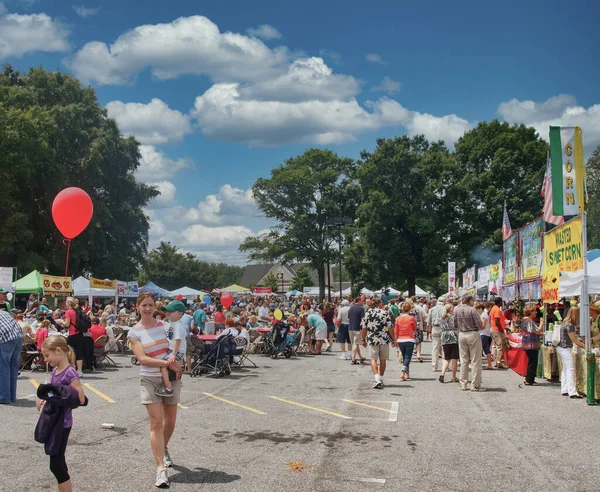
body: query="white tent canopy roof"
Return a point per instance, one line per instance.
(81, 288)
(570, 282)
(188, 292)
(418, 292)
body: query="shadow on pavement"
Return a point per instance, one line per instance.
(201, 475)
(495, 390)
(24, 403)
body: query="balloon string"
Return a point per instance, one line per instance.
(68, 243)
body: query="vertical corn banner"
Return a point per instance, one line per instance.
(568, 170)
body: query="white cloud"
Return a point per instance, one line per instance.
(387, 85)
(264, 31)
(156, 166)
(224, 115)
(186, 45)
(375, 58)
(200, 235)
(307, 79)
(153, 123)
(167, 194)
(561, 110)
(83, 11)
(20, 34)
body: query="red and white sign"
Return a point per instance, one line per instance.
(262, 290)
(451, 279)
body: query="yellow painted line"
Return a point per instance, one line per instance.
(35, 383)
(368, 406)
(99, 393)
(254, 410)
(181, 406)
(302, 405)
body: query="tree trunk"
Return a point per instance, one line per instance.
(412, 282)
(321, 272)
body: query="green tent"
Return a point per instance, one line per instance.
(29, 283)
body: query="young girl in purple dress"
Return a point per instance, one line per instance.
(60, 356)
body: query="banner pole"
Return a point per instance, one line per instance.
(585, 318)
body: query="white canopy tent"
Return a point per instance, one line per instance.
(418, 292)
(392, 291)
(570, 282)
(81, 288)
(188, 293)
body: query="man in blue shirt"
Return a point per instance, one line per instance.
(355, 316)
(200, 317)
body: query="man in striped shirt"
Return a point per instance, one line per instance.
(11, 342)
(468, 323)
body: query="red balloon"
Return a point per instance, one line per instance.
(227, 300)
(72, 211)
(179, 297)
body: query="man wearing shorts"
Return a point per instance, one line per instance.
(355, 316)
(343, 336)
(377, 333)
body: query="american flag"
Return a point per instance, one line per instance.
(506, 230)
(547, 194)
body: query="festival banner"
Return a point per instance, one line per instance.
(530, 237)
(563, 247)
(57, 286)
(470, 279)
(509, 292)
(6, 278)
(451, 279)
(262, 290)
(551, 285)
(97, 283)
(510, 259)
(127, 289)
(531, 290)
(495, 280)
(568, 170)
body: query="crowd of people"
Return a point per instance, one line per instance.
(463, 333)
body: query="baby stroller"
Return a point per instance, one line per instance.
(216, 358)
(292, 342)
(276, 341)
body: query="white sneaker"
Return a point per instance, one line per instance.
(162, 480)
(80, 375)
(344, 357)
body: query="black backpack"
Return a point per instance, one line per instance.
(82, 321)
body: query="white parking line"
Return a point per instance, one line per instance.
(394, 412)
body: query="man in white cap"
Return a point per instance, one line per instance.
(343, 335)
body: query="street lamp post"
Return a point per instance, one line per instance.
(339, 221)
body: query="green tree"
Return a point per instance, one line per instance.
(171, 269)
(300, 196)
(301, 279)
(54, 134)
(402, 230)
(593, 204)
(270, 281)
(494, 161)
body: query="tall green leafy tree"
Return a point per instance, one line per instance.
(494, 161)
(54, 134)
(270, 281)
(593, 204)
(300, 195)
(301, 279)
(402, 231)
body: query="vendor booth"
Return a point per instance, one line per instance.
(155, 289)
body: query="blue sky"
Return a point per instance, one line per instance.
(219, 93)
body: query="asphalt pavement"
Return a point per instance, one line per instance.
(315, 423)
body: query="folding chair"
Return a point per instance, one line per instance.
(304, 348)
(257, 343)
(242, 342)
(101, 353)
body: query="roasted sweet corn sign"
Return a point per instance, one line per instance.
(563, 247)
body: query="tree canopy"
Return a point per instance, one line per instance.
(54, 134)
(301, 279)
(300, 196)
(170, 268)
(593, 204)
